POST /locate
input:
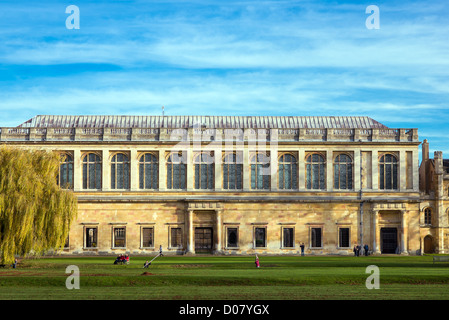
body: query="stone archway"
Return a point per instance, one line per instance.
(428, 244)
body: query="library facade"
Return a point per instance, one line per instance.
(244, 185)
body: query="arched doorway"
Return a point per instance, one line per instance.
(428, 244)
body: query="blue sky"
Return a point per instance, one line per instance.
(275, 58)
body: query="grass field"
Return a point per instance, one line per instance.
(228, 278)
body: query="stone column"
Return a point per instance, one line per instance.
(217, 170)
(402, 171)
(162, 185)
(134, 168)
(374, 170)
(77, 170)
(189, 231)
(329, 171)
(404, 231)
(246, 169)
(219, 228)
(357, 164)
(375, 234)
(190, 170)
(301, 170)
(274, 168)
(105, 171)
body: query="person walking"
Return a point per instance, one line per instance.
(302, 249)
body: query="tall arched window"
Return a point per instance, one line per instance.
(260, 175)
(91, 171)
(120, 171)
(388, 172)
(427, 216)
(204, 171)
(65, 175)
(315, 171)
(232, 172)
(288, 172)
(343, 172)
(176, 171)
(148, 171)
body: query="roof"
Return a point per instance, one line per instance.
(218, 122)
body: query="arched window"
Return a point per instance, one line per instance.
(232, 172)
(288, 172)
(427, 216)
(388, 172)
(91, 171)
(176, 171)
(65, 176)
(204, 171)
(120, 171)
(315, 172)
(343, 172)
(148, 171)
(260, 175)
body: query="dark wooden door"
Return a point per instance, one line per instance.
(203, 240)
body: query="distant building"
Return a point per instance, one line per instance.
(240, 185)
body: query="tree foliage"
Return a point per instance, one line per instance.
(35, 213)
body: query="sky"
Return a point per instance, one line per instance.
(248, 58)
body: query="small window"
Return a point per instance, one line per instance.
(260, 237)
(176, 237)
(65, 176)
(260, 171)
(315, 172)
(91, 234)
(288, 237)
(343, 241)
(92, 171)
(147, 237)
(120, 171)
(428, 216)
(119, 237)
(148, 171)
(316, 238)
(232, 237)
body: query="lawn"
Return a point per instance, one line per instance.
(228, 278)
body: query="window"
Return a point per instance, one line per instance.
(288, 172)
(176, 171)
(388, 172)
(260, 237)
(260, 175)
(343, 172)
(176, 237)
(315, 172)
(119, 237)
(343, 237)
(67, 243)
(316, 238)
(91, 237)
(147, 237)
(427, 216)
(288, 237)
(148, 171)
(232, 237)
(120, 171)
(65, 176)
(91, 171)
(232, 172)
(204, 171)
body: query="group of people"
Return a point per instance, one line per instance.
(122, 259)
(358, 250)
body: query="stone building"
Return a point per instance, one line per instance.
(434, 206)
(239, 185)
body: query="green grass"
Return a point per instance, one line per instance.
(228, 278)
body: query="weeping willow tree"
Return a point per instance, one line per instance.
(35, 213)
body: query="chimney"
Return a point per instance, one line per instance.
(425, 150)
